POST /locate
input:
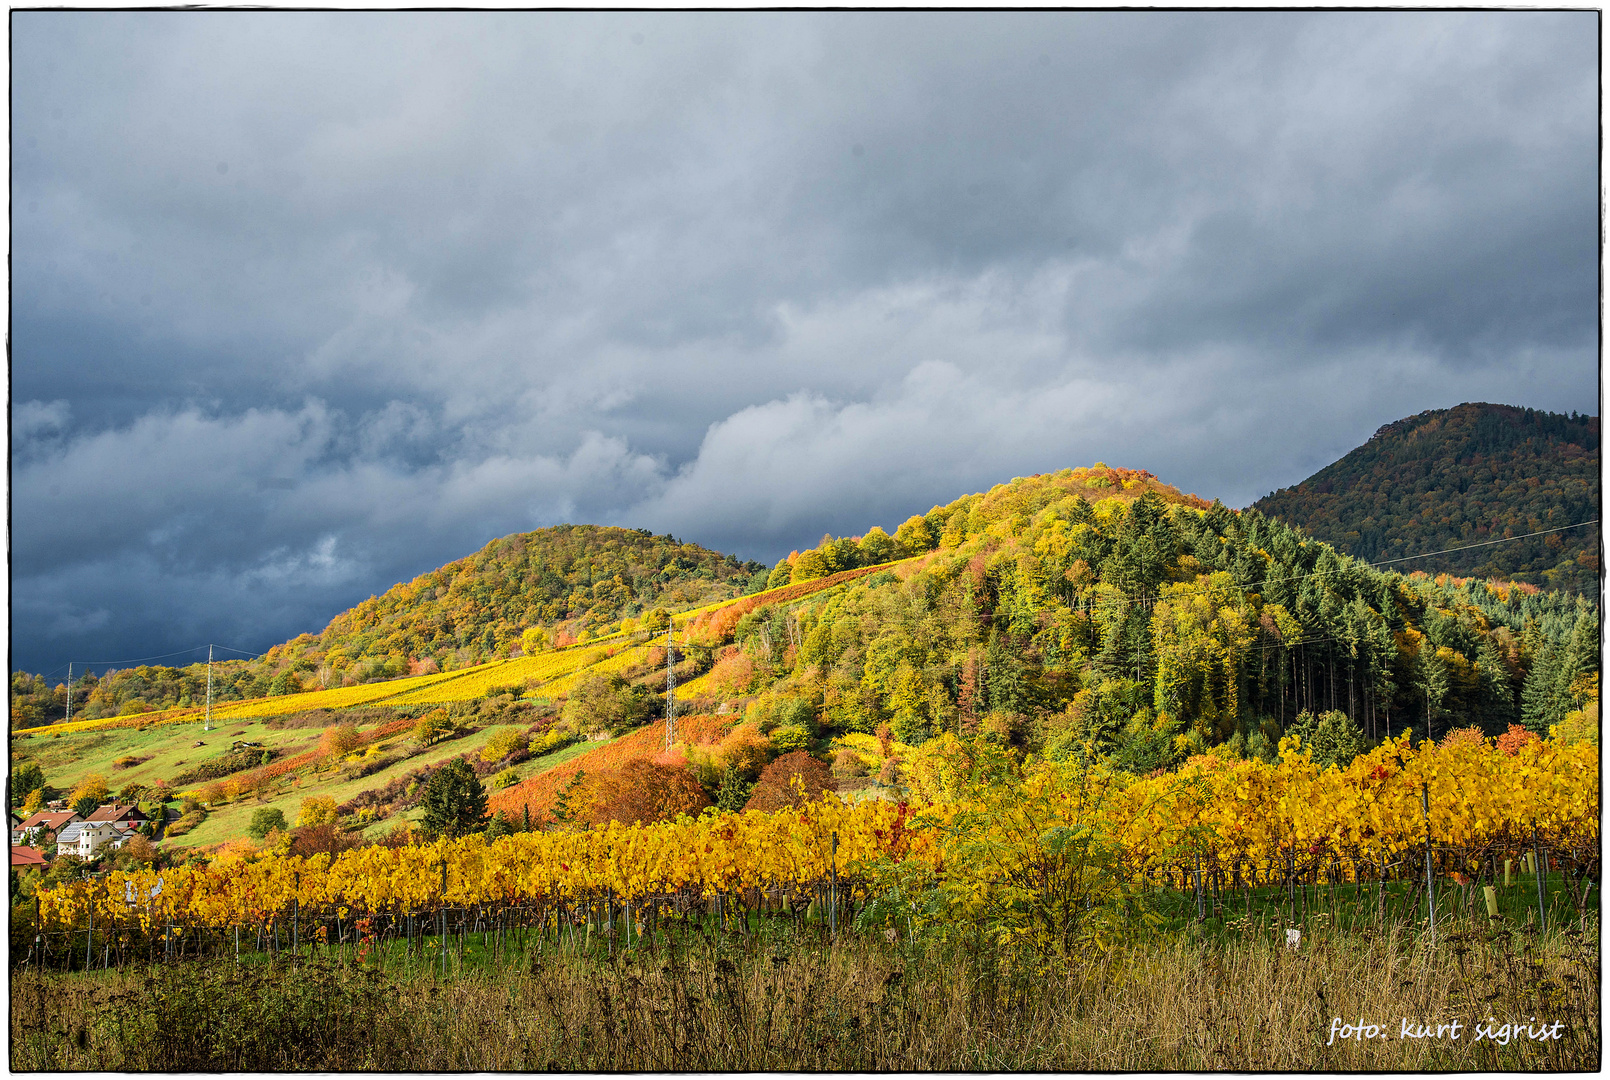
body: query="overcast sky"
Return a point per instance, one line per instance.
(304, 305)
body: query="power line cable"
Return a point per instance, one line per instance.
(110, 664)
(243, 652)
(1486, 543)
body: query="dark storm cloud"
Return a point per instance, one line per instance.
(305, 304)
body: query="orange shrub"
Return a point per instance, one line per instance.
(537, 793)
(777, 788)
(327, 837)
(339, 741)
(644, 791)
(1516, 737)
(733, 674)
(745, 750)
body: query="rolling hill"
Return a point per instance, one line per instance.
(574, 581)
(1091, 607)
(1454, 477)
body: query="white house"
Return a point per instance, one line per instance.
(94, 835)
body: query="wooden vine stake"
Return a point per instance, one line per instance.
(1540, 864)
(1431, 897)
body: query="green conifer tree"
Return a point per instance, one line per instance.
(1537, 692)
(1496, 694)
(455, 801)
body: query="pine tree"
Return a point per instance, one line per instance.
(1005, 690)
(1497, 695)
(1537, 692)
(455, 801)
(563, 811)
(734, 791)
(1433, 675)
(1546, 696)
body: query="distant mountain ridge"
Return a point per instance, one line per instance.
(1449, 478)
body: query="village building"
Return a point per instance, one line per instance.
(26, 857)
(118, 812)
(43, 826)
(94, 836)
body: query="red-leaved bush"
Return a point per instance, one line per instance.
(1515, 738)
(776, 787)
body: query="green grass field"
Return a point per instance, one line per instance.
(171, 749)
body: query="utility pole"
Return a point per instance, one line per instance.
(69, 691)
(670, 687)
(206, 723)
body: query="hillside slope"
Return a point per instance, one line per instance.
(1452, 477)
(1028, 619)
(571, 580)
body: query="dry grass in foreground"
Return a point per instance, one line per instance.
(1161, 1005)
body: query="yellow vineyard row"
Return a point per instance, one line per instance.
(477, 681)
(1482, 803)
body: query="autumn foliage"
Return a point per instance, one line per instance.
(537, 793)
(339, 741)
(644, 791)
(792, 780)
(1511, 741)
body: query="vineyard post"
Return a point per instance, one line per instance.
(833, 901)
(296, 916)
(442, 941)
(1291, 883)
(1196, 875)
(1540, 866)
(89, 938)
(1431, 896)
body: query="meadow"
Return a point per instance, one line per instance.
(783, 991)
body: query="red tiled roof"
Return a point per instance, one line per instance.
(26, 856)
(50, 820)
(116, 812)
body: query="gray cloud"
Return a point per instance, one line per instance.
(304, 304)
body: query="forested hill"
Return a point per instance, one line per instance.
(563, 582)
(1452, 477)
(1084, 607)
(1050, 618)
(567, 581)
